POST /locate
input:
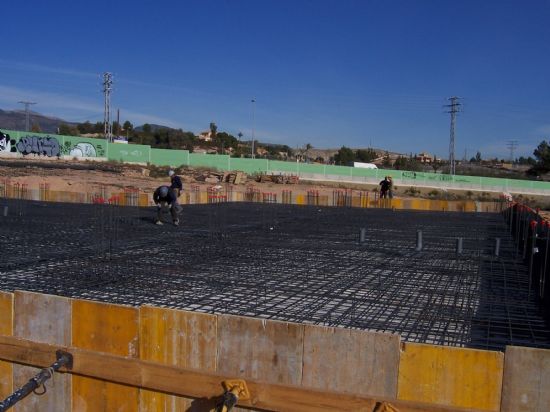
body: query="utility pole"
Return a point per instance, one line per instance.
(253, 125)
(512, 145)
(27, 117)
(107, 87)
(454, 108)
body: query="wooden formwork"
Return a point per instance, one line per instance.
(157, 359)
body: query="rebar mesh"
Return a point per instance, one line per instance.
(296, 263)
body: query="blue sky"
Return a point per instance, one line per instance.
(329, 73)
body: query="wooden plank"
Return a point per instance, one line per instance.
(267, 350)
(197, 383)
(43, 318)
(451, 376)
(177, 338)
(353, 361)
(110, 329)
(526, 384)
(6, 328)
(259, 349)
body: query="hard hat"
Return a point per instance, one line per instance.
(163, 191)
(171, 173)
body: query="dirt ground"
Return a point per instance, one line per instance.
(88, 176)
(74, 176)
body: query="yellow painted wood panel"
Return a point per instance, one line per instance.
(352, 361)
(300, 200)
(176, 338)
(6, 328)
(451, 376)
(106, 328)
(526, 385)
(47, 319)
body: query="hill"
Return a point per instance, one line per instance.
(15, 120)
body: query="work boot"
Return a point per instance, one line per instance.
(158, 222)
(176, 222)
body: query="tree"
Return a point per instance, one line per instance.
(400, 163)
(478, 157)
(65, 129)
(542, 154)
(366, 156)
(85, 128)
(127, 126)
(213, 130)
(344, 157)
(35, 128)
(387, 161)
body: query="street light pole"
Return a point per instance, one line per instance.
(253, 125)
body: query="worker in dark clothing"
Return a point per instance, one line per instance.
(163, 196)
(176, 186)
(384, 187)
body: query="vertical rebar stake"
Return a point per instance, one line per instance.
(418, 240)
(362, 235)
(459, 243)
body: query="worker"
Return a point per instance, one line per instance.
(162, 197)
(176, 186)
(390, 187)
(384, 187)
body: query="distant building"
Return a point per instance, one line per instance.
(205, 136)
(424, 157)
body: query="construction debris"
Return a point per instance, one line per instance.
(280, 178)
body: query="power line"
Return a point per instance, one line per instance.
(253, 101)
(107, 88)
(27, 117)
(454, 108)
(512, 145)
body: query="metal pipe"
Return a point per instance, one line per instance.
(459, 243)
(497, 246)
(63, 359)
(362, 235)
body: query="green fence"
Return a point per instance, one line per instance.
(81, 147)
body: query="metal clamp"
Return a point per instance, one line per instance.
(235, 390)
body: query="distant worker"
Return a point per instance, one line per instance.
(176, 186)
(384, 187)
(163, 197)
(390, 188)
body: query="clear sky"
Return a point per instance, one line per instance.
(329, 73)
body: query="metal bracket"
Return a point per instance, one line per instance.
(64, 359)
(237, 387)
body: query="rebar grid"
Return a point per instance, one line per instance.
(301, 264)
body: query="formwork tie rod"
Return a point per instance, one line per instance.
(63, 359)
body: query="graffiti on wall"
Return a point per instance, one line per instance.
(50, 147)
(83, 149)
(5, 143)
(46, 146)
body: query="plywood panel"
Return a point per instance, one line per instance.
(176, 338)
(352, 361)
(106, 328)
(269, 351)
(6, 328)
(47, 319)
(451, 376)
(526, 385)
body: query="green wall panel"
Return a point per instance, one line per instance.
(167, 157)
(54, 145)
(132, 153)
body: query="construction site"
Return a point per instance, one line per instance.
(272, 303)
